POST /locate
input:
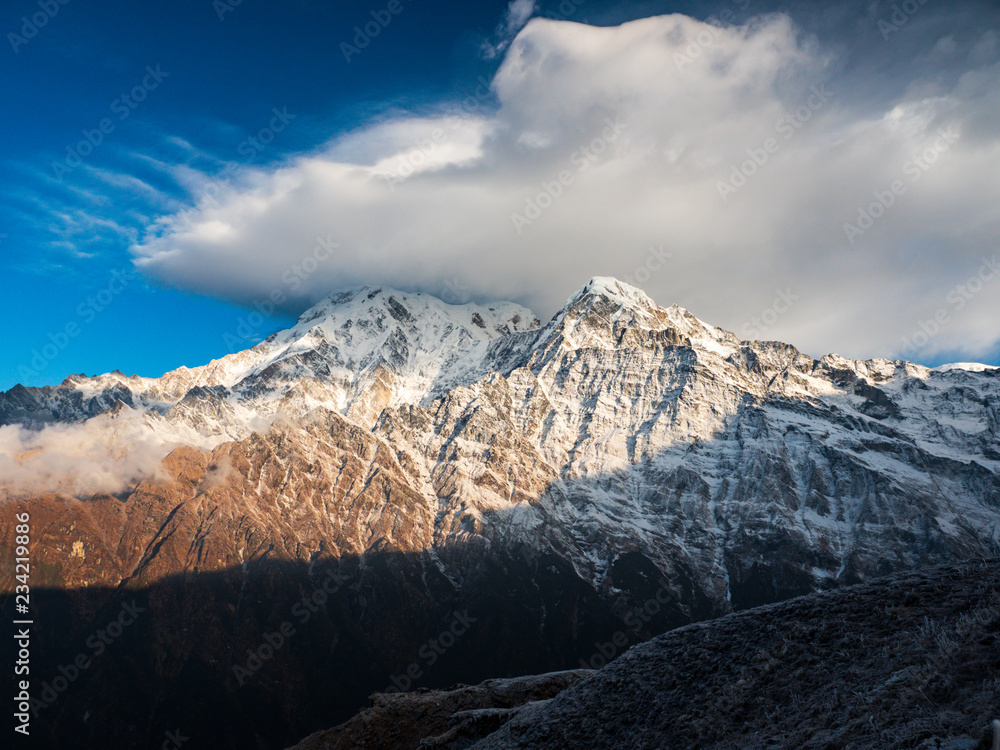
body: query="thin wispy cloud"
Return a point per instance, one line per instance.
(517, 15)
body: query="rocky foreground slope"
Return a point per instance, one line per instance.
(618, 471)
(909, 661)
(451, 718)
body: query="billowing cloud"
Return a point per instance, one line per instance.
(730, 169)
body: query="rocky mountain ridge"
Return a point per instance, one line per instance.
(624, 468)
(618, 426)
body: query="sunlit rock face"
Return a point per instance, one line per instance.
(553, 480)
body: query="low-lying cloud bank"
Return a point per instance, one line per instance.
(108, 453)
(729, 169)
(81, 459)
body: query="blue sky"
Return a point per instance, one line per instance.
(223, 79)
(166, 97)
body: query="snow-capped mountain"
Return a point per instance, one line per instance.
(617, 426)
(552, 479)
(348, 352)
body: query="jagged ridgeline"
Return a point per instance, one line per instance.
(620, 470)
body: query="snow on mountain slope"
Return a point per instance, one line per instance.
(619, 430)
(416, 336)
(355, 351)
(554, 482)
(626, 426)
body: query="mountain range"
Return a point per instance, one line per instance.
(398, 492)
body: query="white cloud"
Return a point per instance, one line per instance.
(426, 203)
(99, 455)
(107, 453)
(517, 15)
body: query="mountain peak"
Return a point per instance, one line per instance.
(605, 306)
(612, 288)
(419, 311)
